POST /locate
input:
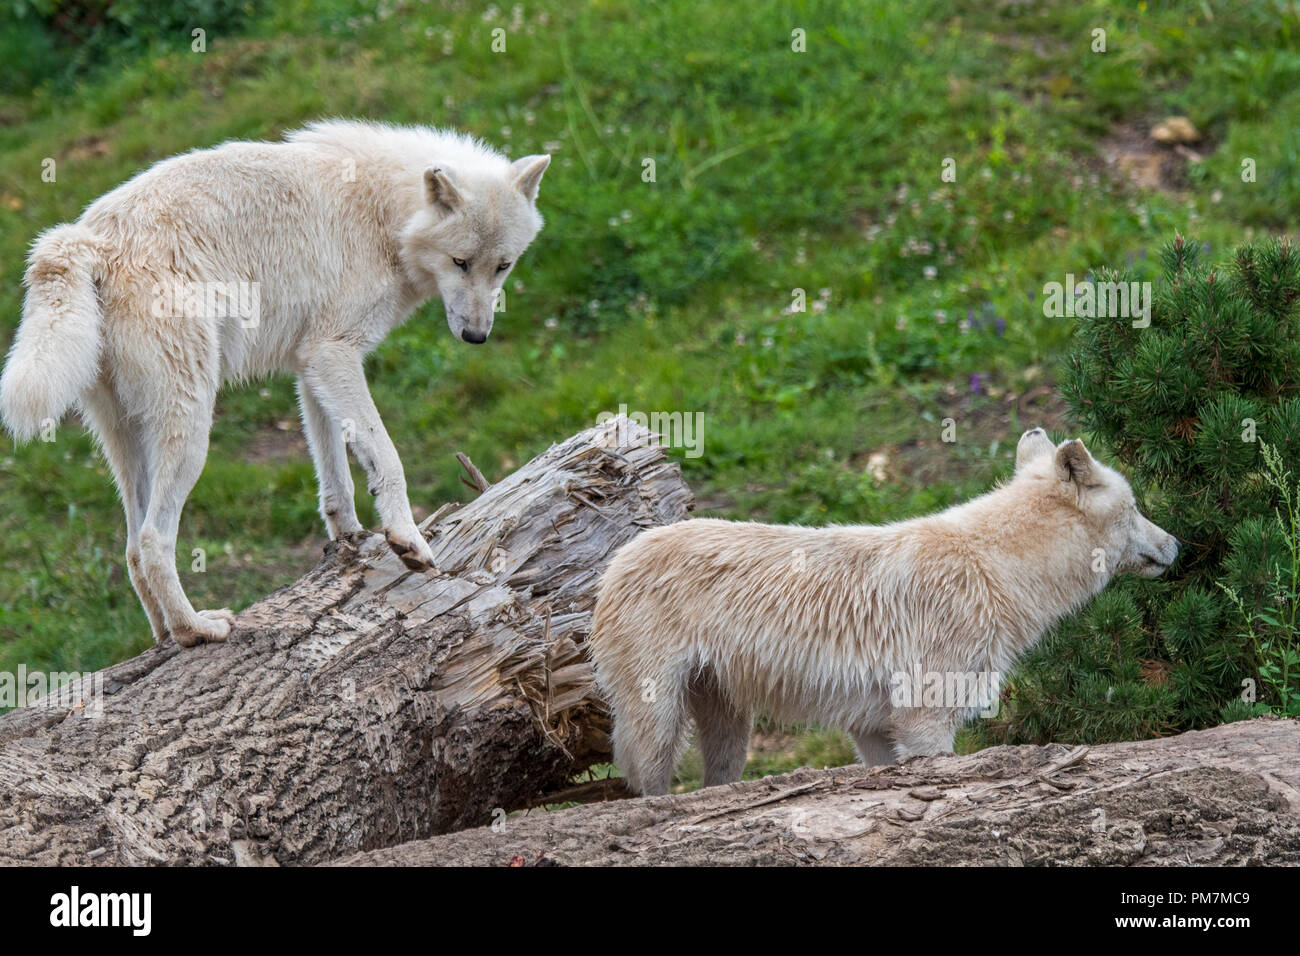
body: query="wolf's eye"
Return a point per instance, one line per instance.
(503, 267)
(461, 264)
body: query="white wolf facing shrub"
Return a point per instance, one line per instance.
(715, 619)
(341, 231)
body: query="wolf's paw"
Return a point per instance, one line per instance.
(411, 549)
(340, 525)
(207, 627)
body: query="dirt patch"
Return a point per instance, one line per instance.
(282, 441)
(980, 421)
(773, 743)
(89, 148)
(1154, 154)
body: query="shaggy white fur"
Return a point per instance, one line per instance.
(230, 263)
(716, 619)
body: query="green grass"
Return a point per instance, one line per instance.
(775, 171)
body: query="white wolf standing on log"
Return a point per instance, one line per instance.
(250, 258)
(713, 620)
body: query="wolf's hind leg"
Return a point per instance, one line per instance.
(329, 452)
(874, 748)
(177, 445)
(123, 448)
(723, 730)
(649, 731)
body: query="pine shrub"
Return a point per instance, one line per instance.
(1201, 410)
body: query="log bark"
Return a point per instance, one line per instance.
(363, 705)
(1229, 795)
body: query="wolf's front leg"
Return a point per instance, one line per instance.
(333, 374)
(329, 453)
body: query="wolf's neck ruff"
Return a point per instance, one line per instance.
(1021, 549)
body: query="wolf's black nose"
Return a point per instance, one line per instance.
(477, 338)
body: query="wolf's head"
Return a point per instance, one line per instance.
(475, 225)
(1102, 500)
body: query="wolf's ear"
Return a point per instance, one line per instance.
(439, 190)
(1032, 444)
(1073, 463)
(526, 174)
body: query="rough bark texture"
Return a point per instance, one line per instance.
(364, 704)
(1230, 795)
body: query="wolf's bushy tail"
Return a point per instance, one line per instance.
(55, 355)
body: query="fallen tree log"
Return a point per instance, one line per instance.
(361, 706)
(1229, 795)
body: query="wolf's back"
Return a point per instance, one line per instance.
(55, 355)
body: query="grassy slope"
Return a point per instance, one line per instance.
(775, 170)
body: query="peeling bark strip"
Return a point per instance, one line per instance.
(1229, 795)
(364, 704)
